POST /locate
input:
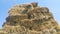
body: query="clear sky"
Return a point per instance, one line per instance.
(5, 5)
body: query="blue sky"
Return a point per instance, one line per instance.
(53, 5)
